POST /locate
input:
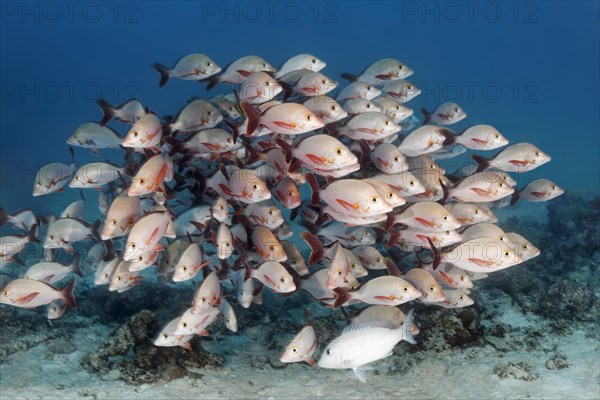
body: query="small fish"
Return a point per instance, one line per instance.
(151, 176)
(294, 258)
(520, 157)
(302, 346)
(287, 193)
(208, 294)
(124, 211)
(540, 190)
(381, 71)
(230, 110)
(449, 275)
(274, 276)
(411, 237)
(361, 344)
(52, 272)
(479, 137)
(23, 219)
(370, 257)
(167, 337)
(146, 233)
(12, 245)
(431, 291)
(326, 108)
(524, 248)
(424, 140)
(28, 293)
(383, 290)
(266, 213)
(400, 90)
(355, 266)
(427, 216)
(358, 90)
(267, 245)
(192, 323)
(194, 66)
(189, 264)
(65, 231)
(405, 183)
(307, 83)
(129, 112)
(244, 287)
(96, 175)
(239, 70)
(122, 278)
(146, 133)
(455, 299)
(370, 126)
(480, 188)
(388, 159)
(284, 118)
(396, 111)
(229, 317)
(387, 192)
(52, 178)
(360, 106)
(486, 230)
(301, 61)
(105, 271)
(188, 221)
(259, 88)
(74, 210)
(446, 114)
(471, 213)
(385, 315)
(143, 261)
(94, 136)
(197, 115)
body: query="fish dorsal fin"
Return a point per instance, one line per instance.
(361, 326)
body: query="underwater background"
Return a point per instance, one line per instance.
(530, 68)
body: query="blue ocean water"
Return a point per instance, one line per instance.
(529, 68)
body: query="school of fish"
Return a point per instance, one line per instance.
(232, 191)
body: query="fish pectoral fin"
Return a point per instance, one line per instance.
(518, 162)
(347, 205)
(424, 222)
(480, 192)
(360, 372)
(480, 262)
(28, 298)
(286, 125)
(311, 361)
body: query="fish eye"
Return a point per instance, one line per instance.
(390, 195)
(328, 352)
(231, 108)
(38, 183)
(324, 81)
(255, 186)
(290, 193)
(184, 268)
(500, 184)
(185, 324)
(295, 350)
(203, 299)
(227, 243)
(270, 212)
(78, 177)
(405, 289)
(267, 83)
(210, 113)
(400, 66)
(537, 153)
(409, 87)
(308, 117)
(105, 275)
(142, 181)
(507, 253)
(411, 183)
(51, 237)
(263, 65)
(431, 288)
(135, 134)
(378, 259)
(338, 151)
(447, 232)
(333, 108)
(525, 247)
(132, 245)
(368, 105)
(369, 87)
(445, 218)
(140, 258)
(396, 159)
(114, 221)
(553, 187)
(5, 293)
(208, 64)
(496, 136)
(271, 247)
(476, 211)
(339, 272)
(461, 297)
(366, 233)
(165, 335)
(455, 109)
(374, 199)
(228, 140)
(386, 122)
(282, 280)
(462, 278)
(119, 277)
(314, 60)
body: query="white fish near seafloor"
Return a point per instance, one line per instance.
(128, 112)
(486, 230)
(455, 299)
(284, 118)
(168, 338)
(301, 61)
(383, 290)
(56, 309)
(274, 276)
(94, 136)
(540, 190)
(229, 317)
(124, 211)
(11, 245)
(405, 183)
(228, 107)
(52, 272)
(52, 178)
(195, 323)
(302, 346)
(471, 213)
(361, 344)
(208, 294)
(449, 275)
(480, 137)
(369, 256)
(151, 176)
(523, 247)
(29, 293)
(65, 231)
(105, 270)
(193, 66)
(430, 289)
(428, 216)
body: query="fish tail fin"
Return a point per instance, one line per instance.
(317, 251)
(408, 327)
(449, 136)
(482, 162)
(32, 234)
(4, 216)
(390, 222)
(212, 82)
(130, 165)
(287, 149)
(314, 187)
(253, 154)
(394, 238)
(513, 199)
(349, 77)
(235, 129)
(446, 193)
(67, 294)
(288, 90)
(176, 145)
(96, 230)
(342, 296)
(164, 73)
(76, 265)
(252, 115)
(108, 111)
(392, 268)
(426, 116)
(437, 254)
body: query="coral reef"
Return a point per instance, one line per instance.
(521, 370)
